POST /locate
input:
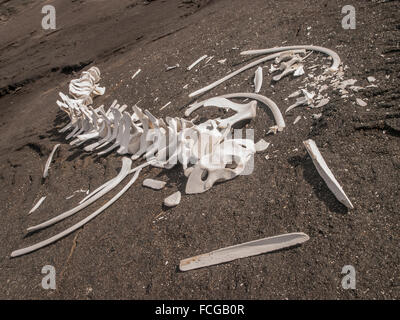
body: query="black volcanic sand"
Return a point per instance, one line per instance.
(128, 252)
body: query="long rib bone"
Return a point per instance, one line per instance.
(126, 165)
(336, 59)
(77, 225)
(231, 75)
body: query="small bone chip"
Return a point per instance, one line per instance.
(154, 184)
(298, 118)
(326, 173)
(322, 103)
(371, 79)
(173, 200)
(261, 145)
(37, 205)
(299, 71)
(361, 103)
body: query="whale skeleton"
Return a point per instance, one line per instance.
(205, 150)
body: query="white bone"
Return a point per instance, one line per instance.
(247, 114)
(209, 59)
(295, 94)
(37, 205)
(287, 71)
(77, 225)
(172, 67)
(272, 69)
(196, 62)
(266, 101)
(243, 250)
(111, 181)
(322, 103)
(361, 103)
(299, 71)
(173, 200)
(298, 118)
(231, 75)
(336, 59)
(136, 73)
(217, 171)
(345, 83)
(164, 106)
(154, 184)
(307, 99)
(258, 79)
(126, 164)
(261, 145)
(288, 67)
(326, 173)
(48, 162)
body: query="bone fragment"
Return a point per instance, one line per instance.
(298, 118)
(248, 66)
(126, 164)
(361, 103)
(80, 224)
(322, 103)
(173, 200)
(243, 250)
(136, 73)
(164, 106)
(326, 173)
(196, 62)
(37, 205)
(154, 184)
(336, 59)
(258, 79)
(262, 145)
(48, 162)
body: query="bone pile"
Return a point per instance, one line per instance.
(206, 151)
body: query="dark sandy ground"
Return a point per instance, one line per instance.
(127, 253)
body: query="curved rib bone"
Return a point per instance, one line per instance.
(280, 122)
(126, 164)
(231, 75)
(37, 205)
(336, 59)
(80, 224)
